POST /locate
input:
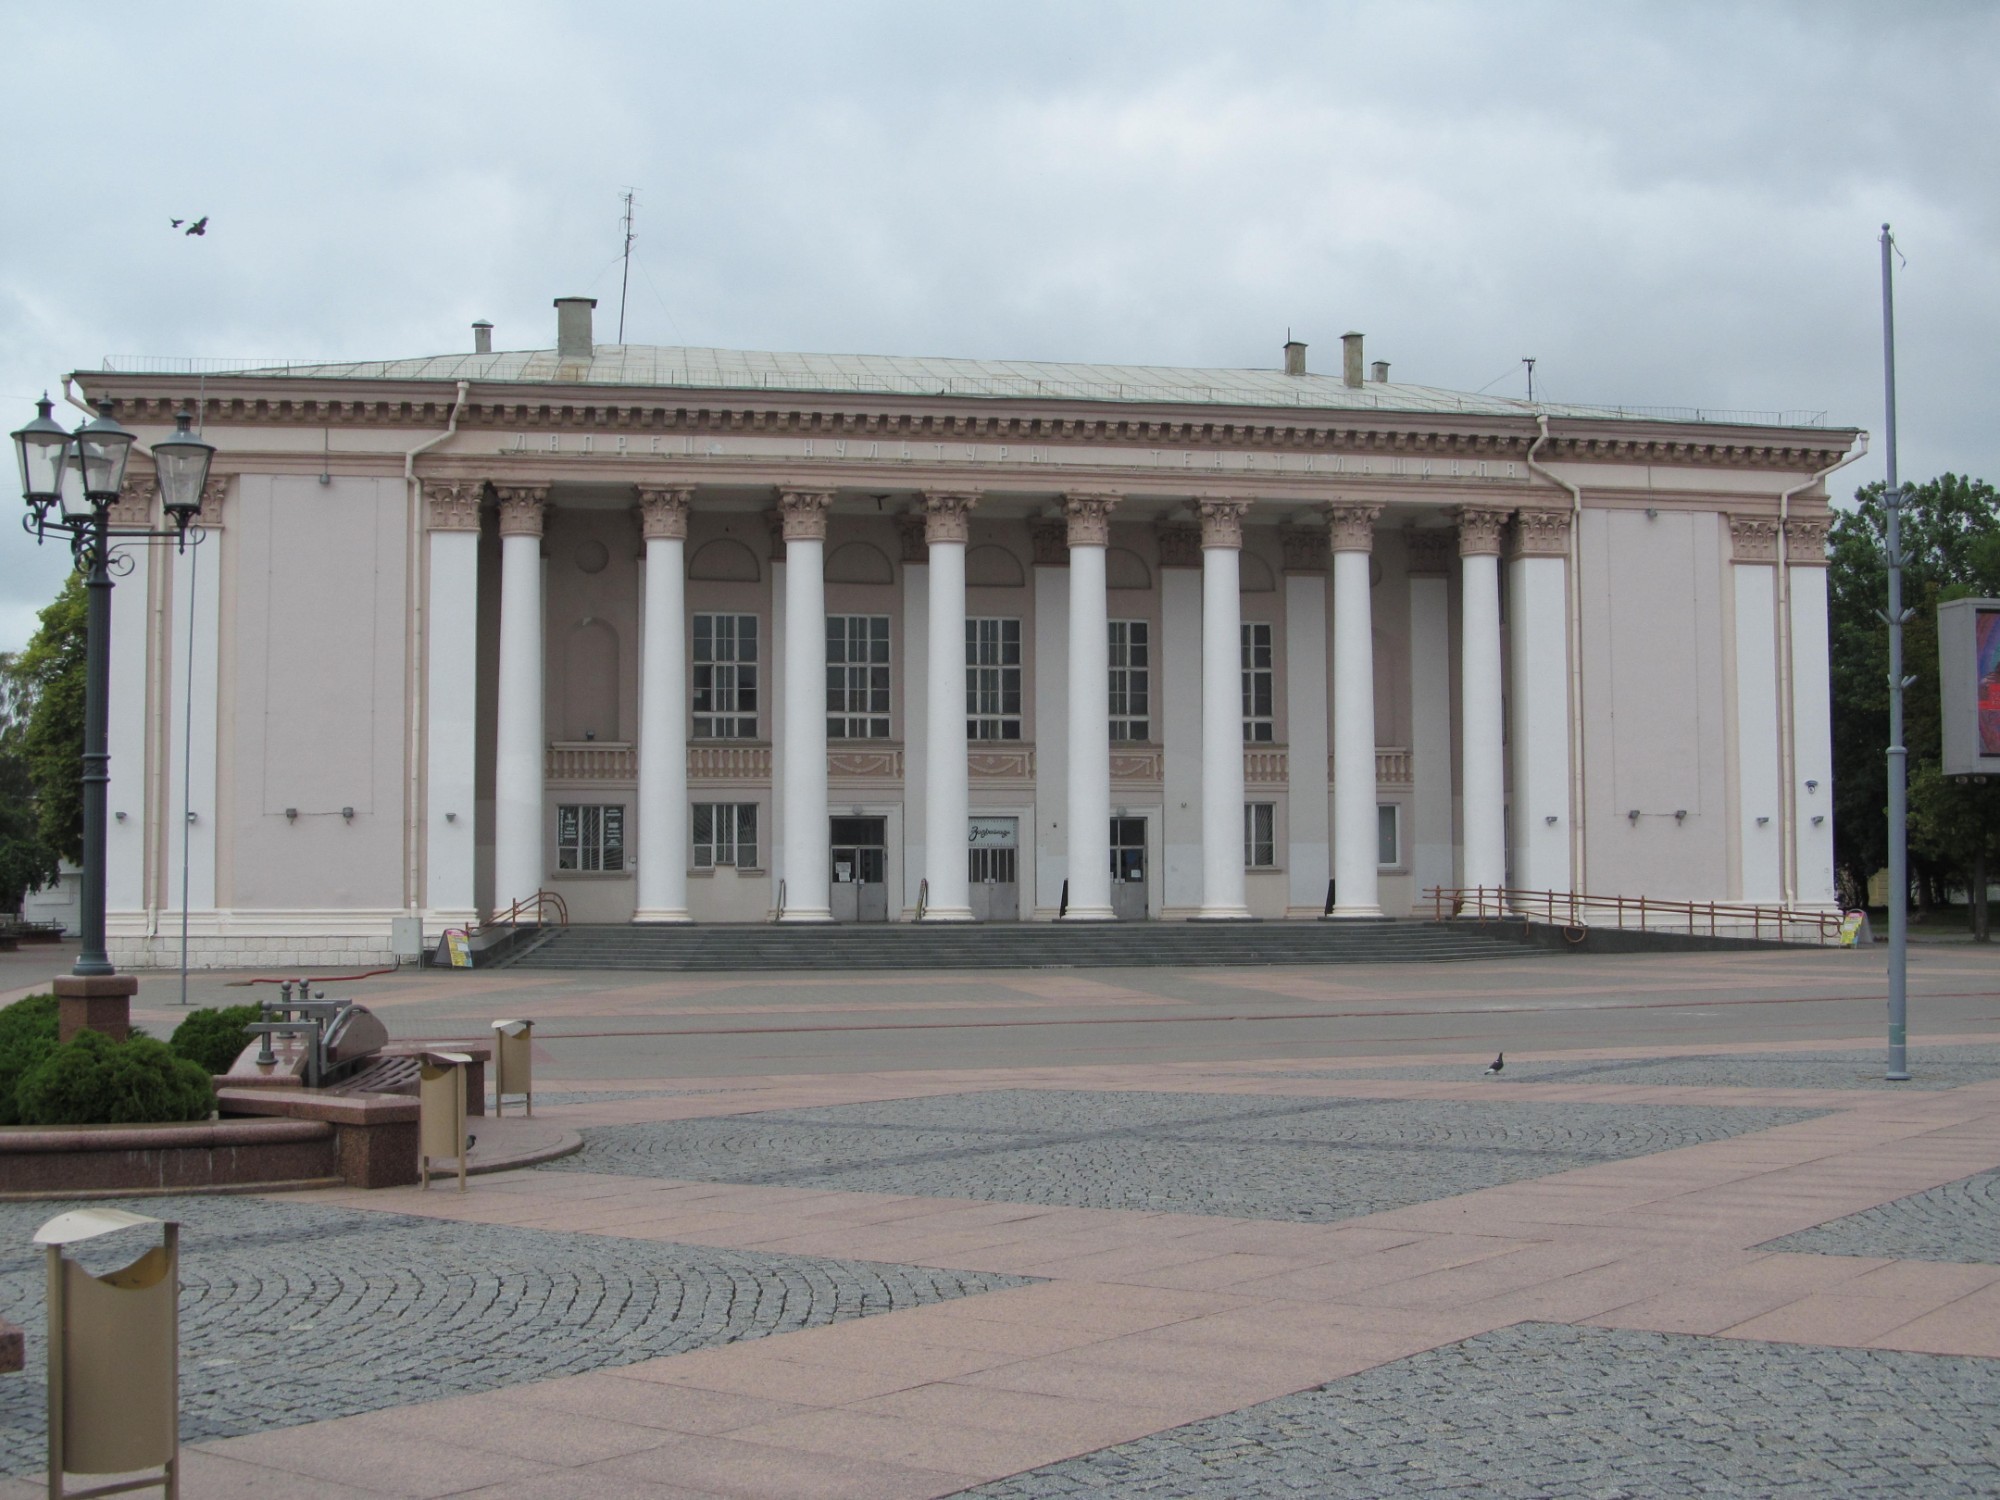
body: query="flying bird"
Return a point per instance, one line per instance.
(1496, 1065)
(178, 222)
(199, 226)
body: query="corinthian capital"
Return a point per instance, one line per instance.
(663, 512)
(1089, 518)
(1753, 539)
(1352, 525)
(1805, 541)
(1540, 533)
(802, 514)
(521, 508)
(1222, 522)
(452, 506)
(1480, 529)
(947, 517)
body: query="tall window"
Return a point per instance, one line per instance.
(857, 677)
(725, 833)
(1388, 835)
(1257, 725)
(725, 677)
(1260, 841)
(1131, 703)
(590, 836)
(993, 679)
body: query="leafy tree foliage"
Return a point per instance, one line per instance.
(1951, 550)
(48, 682)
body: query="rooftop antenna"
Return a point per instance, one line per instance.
(1528, 360)
(625, 280)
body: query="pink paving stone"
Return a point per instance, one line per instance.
(1693, 1310)
(1922, 1278)
(743, 1370)
(1062, 1375)
(1969, 1325)
(1797, 1274)
(1829, 1318)
(590, 1483)
(953, 1448)
(948, 1403)
(351, 1450)
(494, 1425)
(758, 1471)
(622, 1397)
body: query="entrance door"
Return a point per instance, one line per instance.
(860, 870)
(1128, 869)
(993, 853)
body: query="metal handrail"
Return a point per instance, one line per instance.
(539, 903)
(923, 897)
(779, 915)
(1576, 909)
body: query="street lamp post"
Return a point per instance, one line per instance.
(70, 480)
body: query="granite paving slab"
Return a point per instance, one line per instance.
(1540, 1411)
(1253, 1157)
(1958, 1222)
(294, 1312)
(1930, 1068)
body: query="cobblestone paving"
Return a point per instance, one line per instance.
(1932, 1068)
(293, 1312)
(1248, 1157)
(1544, 1412)
(1959, 1221)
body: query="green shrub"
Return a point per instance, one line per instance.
(27, 1035)
(92, 1080)
(212, 1038)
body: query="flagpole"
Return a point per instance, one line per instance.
(1899, 871)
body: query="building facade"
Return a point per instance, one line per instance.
(694, 635)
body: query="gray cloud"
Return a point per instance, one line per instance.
(1665, 205)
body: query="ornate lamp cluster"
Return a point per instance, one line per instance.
(70, 479)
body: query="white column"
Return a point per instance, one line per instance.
(1432, 849)
(519, 804)
(808, 869)
(1354, 798)
(663, 710)
(947, 790)
(1177, 701)
(1760, 820)
(451, 676)
(192, 716)
(1483, 775)
(915, 678)
(1812, 722)
(1537, 577)
(1050, 645)
(1221, 711)
(1309, 860)
(1089, 726)
(131, 649)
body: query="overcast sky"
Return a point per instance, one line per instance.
(1664, 204)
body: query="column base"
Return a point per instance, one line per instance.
(822, 915)
(1090, 914)
(1353, 913)
(663, 915)
(1223, 914)
(94, 1002)
(947, 914)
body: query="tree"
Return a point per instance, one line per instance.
(1951, 549)
(50, 679)
(26, 863)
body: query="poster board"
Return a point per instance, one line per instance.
(1969, 686)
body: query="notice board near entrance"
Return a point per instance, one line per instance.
(1969, 685)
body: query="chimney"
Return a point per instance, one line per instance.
(1295, 357)
(1350, 360)
(1379, 372)
(573, 327)
(482, 337)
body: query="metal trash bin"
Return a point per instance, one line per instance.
(513, 1063)
(114, 1358)
(441, 1112)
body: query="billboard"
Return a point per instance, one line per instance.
(1969, 683)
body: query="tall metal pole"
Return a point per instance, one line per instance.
(625, 281)
(91, 957)
(1899, 873)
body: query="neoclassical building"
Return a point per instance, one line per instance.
(701, 635)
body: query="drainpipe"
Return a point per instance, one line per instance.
(1788, 806)
(1577, 875)
(414, 652)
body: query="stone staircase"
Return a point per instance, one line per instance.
(1023, 945)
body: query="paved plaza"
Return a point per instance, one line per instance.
(1232, 1233)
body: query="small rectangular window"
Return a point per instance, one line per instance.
(857, 677)
(1258, 723)
(725, 833)
(1260, 842)
(1388, 835)
(590, 836)
(993, 679)
(1131, 681)
(725, 677)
